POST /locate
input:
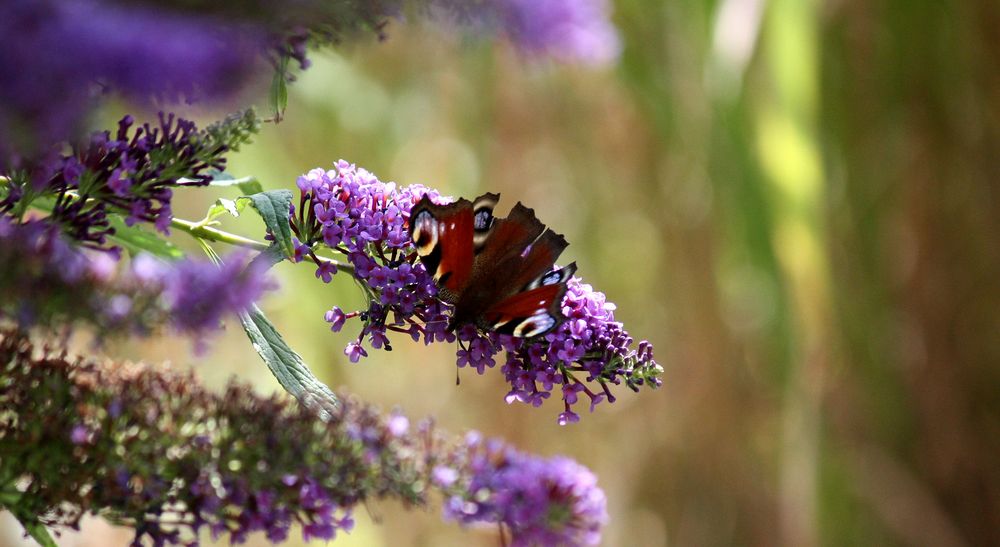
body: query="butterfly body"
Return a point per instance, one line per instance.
(497, 272)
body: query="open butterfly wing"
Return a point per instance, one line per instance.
(538, 260)
(509, 237)
(529, 313)
(443, 237)
(497, 272)
(535, 310)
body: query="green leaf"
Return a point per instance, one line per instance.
(249, 186)
(273, 207)
(287, 366)
(223, 206)
(278, 97)
(136, 239)
(39, 533)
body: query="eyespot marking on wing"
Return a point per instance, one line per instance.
(425, 233)
(539, 323)
(553, 277)
(482, 219)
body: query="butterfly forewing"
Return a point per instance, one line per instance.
(443, 236)
(510, 236)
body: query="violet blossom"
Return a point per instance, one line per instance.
(548, 502)
(566, 30)
(44, 280)
(66, 53)
(350, 211)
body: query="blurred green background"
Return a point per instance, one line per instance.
(797, 202)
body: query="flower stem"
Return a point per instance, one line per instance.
(209, 233)
(213, 234)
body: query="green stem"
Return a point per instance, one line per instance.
(213, 234)
(208, 233)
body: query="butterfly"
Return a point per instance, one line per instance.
(497, 272)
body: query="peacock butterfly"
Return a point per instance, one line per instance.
(497, 272)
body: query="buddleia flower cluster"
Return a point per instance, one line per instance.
(567, 30)
(552, 501)
(350, 211)
(149, 447)
(133, 172)
(45, 280)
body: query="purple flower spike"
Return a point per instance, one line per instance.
(552, 501)
(131, 172)
(46, 281)
(200, 293)
(579, 358)
(351, 211)
(566, 30)
(141, 52)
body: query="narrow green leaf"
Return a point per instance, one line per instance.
(287, 366)
(136, 239)
(278, 97)
(273, 207)
(39, 533)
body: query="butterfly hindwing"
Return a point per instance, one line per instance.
(534, 311)
(538, 258)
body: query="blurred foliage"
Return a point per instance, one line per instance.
(796, 202)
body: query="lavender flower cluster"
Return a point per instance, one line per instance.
(552, 501)
(349, 210)
(567, 30)
(46, 281)
(134, 174)
(589, 344)
(68, 52)
(150, 448)
(154, 450)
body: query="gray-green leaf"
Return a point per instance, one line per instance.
(274, 206)
(287, 366)
(136, 239)
(278, 97)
